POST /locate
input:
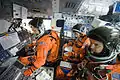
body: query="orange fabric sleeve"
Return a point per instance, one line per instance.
(40, 59)
(41, 55)
(114, 69)
(24, 60)
(68, 44)
(59, 72)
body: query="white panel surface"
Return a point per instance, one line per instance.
(4, 25)
(10, 40)
(55, 5)
(95, 7)
(24, 13)
(19, 11)
(47, 24)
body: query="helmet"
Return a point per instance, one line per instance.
(38, 23)
(80, 28)
(109, 36)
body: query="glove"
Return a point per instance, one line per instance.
(27, 72)
(82, 65)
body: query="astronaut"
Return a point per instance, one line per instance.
(76, 55)
(78, 45)
(102, 53)
(46, 48)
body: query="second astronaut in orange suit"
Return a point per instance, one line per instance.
(78, 51)
(46, 49)
(78, 45)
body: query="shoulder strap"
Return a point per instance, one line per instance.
(52, 37)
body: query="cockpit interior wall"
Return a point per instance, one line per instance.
(71, 39)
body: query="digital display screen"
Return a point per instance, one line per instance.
(116, 7)
(4, 55)
(60, 23)
(1, 48)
